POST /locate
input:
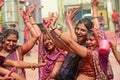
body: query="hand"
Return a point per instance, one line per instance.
(94, 2)
(46, 22)
(42, 61)
(24, 15)
(30, 9)
(53, 19)
(8, 76)
(71, 14)
(1, 3)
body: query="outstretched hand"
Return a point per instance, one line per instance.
(24, 15)
(53, 19)
(71, 14)
(42, 61)
(46, 22)
(1, 3)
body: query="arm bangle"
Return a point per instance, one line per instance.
(54, 29)
(34, 24)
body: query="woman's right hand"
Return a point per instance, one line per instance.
(94, 2)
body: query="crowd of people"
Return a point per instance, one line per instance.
(60, 56)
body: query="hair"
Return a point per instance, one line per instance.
(87, 22)
(1, 37)
(7, 32)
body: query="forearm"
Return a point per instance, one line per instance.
(36, 27)
(72, 31)
(95, 17)
(32, 30)
(75, 48)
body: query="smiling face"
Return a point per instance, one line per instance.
(81, 32)
(10, 42)
(91, 42)
(48, 43)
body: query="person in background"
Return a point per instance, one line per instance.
(101, 21)
(115, 19)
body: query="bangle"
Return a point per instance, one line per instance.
(59, 35)
(34, 24)
(54, 29)
(32, 66)
(94, 17)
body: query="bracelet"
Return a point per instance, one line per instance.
(34, 23)
(59, 35)
(54, 29)
(32, 66)
(94, 17)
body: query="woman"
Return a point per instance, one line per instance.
(54, 58)
(10, 48)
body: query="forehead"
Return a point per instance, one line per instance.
(81, 25)
(12, 36)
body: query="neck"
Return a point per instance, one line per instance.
(3, 52)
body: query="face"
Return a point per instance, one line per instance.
(10, 42)
(91, 42)
(48, 43)
(81, 32)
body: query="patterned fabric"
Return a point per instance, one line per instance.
(14, 56)
(51, 58)
(102, 66)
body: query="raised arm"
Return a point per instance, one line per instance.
(69, 17)
(51, 21)
(30, 43)
(75, 48)
(94, 4)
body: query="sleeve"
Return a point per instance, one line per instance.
(2, 59)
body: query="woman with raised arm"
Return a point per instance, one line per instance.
(10, 48)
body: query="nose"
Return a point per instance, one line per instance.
(11, 42)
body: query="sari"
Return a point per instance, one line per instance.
(51, 59)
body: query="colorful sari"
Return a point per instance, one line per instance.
(95, 64)
(51, 59)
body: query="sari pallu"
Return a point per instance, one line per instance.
(101, 62)
(50, 58)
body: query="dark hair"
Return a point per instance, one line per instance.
(90, 32)
(7, 32)
(87, 22)
(1, 37)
